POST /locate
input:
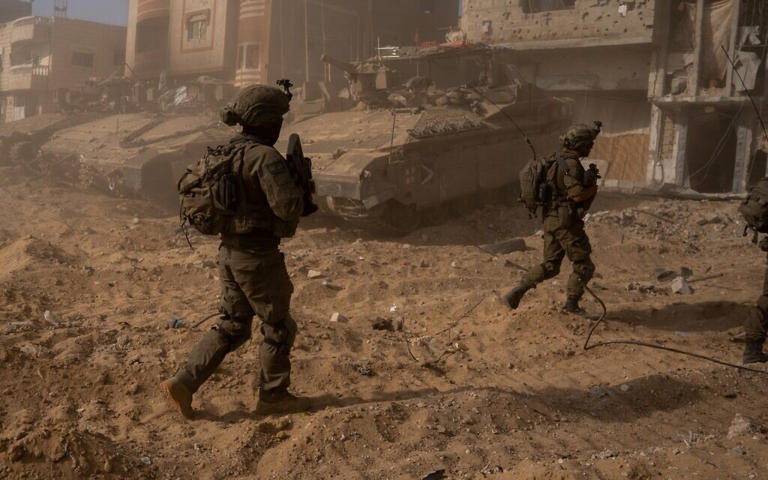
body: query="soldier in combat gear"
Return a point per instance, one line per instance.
(572, 190)
(756, 324)
(254, 280)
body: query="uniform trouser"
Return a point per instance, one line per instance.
(559, 242)
(756, 323)
(251, 284)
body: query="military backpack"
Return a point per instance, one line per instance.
(209, 191)
(537, 182)
(755, 207)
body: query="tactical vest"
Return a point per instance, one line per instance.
(253, 214)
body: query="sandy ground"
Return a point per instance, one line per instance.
(504, 395)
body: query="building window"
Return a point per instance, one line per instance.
(197, 27)
(82, 59)
(249, 57)
(536, 6)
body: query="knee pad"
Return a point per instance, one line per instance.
(585, 270)
(237, 331)
(551, 270)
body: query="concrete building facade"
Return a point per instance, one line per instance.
(598, 53)
(247, 41)
(41, 56)
(655, 71)
(705, 132)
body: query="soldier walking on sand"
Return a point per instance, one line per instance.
(573, 190)
(756, 323)
(252, 272)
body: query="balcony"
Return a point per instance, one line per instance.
(26, 77)
(31, 29)
(151, 9)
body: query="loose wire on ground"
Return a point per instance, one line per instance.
(636, 343)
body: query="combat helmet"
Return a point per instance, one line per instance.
(255, 106)
(581, 135)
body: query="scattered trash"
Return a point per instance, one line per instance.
(313, 274)
(607, 454)
(176, 322)
(51, 318)
(383, 324)
(741, 426)
(338, 317)
(624, 388)
(393, 308)
(364, 370)
(680, 286)
(146, 460)
(89, 269)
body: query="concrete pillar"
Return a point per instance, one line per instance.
(742, 164)
(696, 73)
(655, 171)
(679, 151)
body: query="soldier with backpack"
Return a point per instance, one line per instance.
(561, 190)
(247, 193)
(755, 212)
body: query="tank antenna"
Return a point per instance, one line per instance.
(519, 129)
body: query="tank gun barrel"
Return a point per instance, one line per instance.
(341, 65)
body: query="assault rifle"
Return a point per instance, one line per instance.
(301, 169)
(299, 165)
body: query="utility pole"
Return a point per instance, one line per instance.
(306, 45)
(61, 8)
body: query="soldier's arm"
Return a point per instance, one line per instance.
(285, 198)
(574, 182)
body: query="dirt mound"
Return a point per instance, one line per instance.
(426, 371)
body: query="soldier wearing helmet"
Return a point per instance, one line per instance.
(251, 268)
(572, 191)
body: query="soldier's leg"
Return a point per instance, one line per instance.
(550, 268)
(268, 288)
(755, 328)
(231, 331)
(577, 247)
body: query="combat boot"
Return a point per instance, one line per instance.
(179, 397)
(281, 402)
(753, 352)
(572, 306)
(512, 298)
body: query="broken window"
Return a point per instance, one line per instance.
(197, 27)
(82, 59)
(536, 6)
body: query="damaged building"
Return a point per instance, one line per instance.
(655, 71)
(239, 42)
(41, 58)
(705, 133)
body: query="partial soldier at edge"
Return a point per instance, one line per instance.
(755, 212)
(564, 191)
(254, 280)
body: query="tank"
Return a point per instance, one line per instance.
(432, 128)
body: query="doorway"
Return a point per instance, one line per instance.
(711, 150)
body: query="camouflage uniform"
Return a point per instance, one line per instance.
(254, 280)
(756, 324)
(564, 232)
(572, 193)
